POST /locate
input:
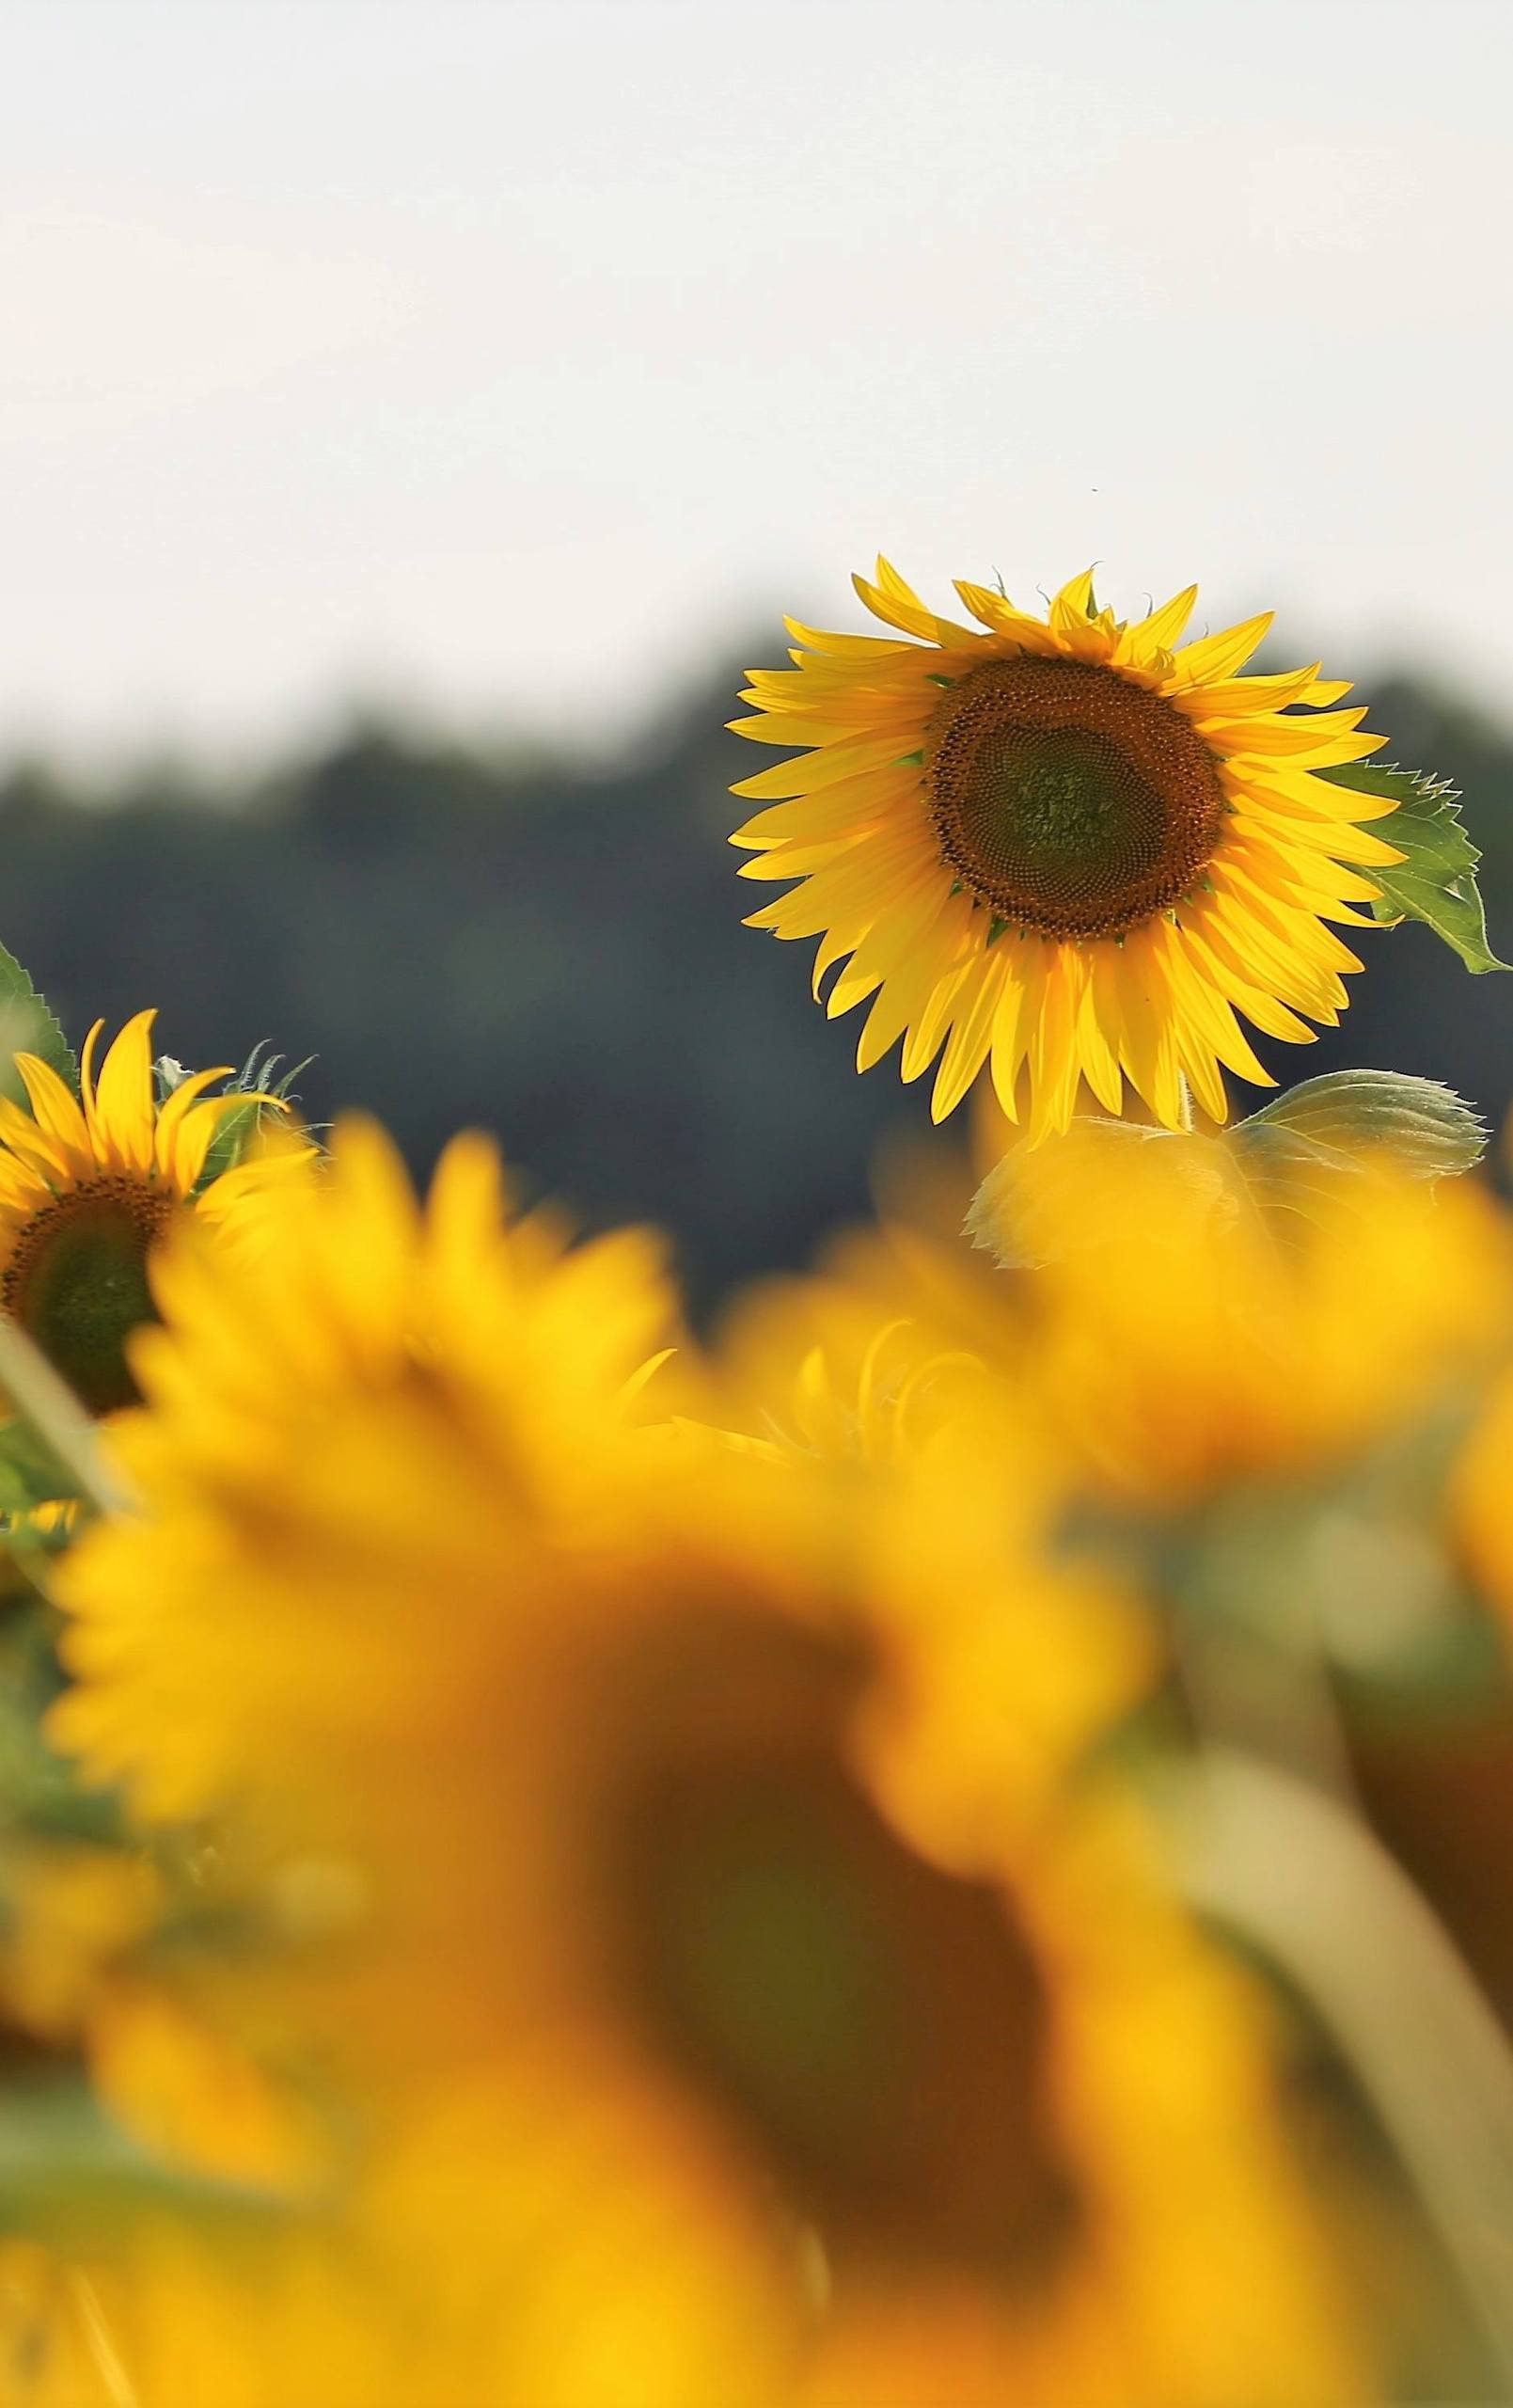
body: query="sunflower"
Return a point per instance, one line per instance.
(785, 2035)
(365, 1369)
(1064, 846)
(1187, 1333)
(89, 1182)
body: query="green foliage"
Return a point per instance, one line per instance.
(1436, 880)
(27, 1026)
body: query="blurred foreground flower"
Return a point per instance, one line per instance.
(739, 1993)
(1193, 1325)
(1064, 848)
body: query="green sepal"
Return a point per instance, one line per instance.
(259, 1076)
(1436, 880)
(233, 1134)
(29, 1026)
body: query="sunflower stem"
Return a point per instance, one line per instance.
(1298, 1874)
(53, 1411)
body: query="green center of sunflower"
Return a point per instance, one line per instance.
(873, 2026)
(76, 1281)
(1068, 800)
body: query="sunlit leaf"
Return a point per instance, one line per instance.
(27, 1026)
(1436, 880)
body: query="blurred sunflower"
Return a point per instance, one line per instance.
(1187, 1336)
(364, 1373)
(788, 2037)
(89, 1182)
(1063, 848)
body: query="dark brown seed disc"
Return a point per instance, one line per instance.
(1068, 800)
(76, 1281)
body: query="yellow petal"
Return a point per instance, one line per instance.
(1083, 637)
(1222, 655)
(56, 1113)
(1162, 628)
(842, 647)
(122, 1121)
(1055, 1058)
(1097, 1040)
(997, 613)
(966, 1047)
(87, 1071)
(810, 772)
(176, 1108)
(898, 606)
(1023, 986)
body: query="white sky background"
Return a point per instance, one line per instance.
(511, 361)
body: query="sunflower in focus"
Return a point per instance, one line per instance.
(88, 1183)
(791, 2036)
(1070, 848)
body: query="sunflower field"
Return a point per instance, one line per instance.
(938, 1842)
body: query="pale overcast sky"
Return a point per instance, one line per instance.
(516, 360)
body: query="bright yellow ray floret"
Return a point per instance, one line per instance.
(1061, 848)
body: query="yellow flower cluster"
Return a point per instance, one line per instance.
(650, 1872)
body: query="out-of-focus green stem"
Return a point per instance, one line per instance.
(1298, 1875)
(53, 1410)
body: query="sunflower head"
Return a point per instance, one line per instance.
(89, 1182)
(1063, 848)
(784, 1983)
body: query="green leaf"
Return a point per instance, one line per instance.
(27, 1026)
(1424, 1125)
(1436, 880)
